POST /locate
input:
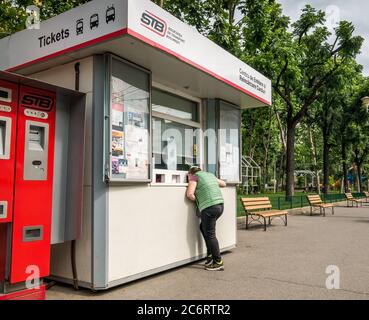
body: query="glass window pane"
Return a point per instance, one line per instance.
(130, 116)
(229, 142)
(173, 105)
(174, 145)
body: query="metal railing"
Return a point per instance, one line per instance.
(296, 202)
(283, 203)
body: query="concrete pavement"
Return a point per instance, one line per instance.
(282, 263)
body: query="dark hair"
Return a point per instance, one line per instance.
(194, 170)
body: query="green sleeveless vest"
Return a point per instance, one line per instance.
(207, 191)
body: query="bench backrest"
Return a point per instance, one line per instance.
(256, 204)
(314, 199)
(349, 196)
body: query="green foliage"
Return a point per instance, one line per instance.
(13, 12)
(317, 83)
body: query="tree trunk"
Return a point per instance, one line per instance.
(344, 167)
(358, 170)
(266, 149)
(266, 174)
(315, 160)
(251, 134)
(281, 131)
(359, 183)
(326, 163)
(290, 163)
(280, 173)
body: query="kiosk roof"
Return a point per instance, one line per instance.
(142, 32)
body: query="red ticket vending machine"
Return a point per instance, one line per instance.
(8, 124)
(27, 137)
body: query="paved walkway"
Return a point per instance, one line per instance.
(282, 263)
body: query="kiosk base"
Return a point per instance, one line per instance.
(28, 294)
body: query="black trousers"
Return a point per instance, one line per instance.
(209, 217)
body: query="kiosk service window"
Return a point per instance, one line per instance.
(176, 137)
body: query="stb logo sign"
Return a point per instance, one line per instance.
(37, 102)
(154, 23)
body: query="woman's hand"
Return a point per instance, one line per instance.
(191, 190)
(221, 183)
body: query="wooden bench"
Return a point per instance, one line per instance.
(261, 209)
(316, 202)
(350, 198)
(366, 196)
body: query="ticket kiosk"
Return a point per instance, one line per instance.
(160, 97)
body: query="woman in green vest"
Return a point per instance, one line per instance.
(204, 189)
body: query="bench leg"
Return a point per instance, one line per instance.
(332, 211)
(311, 211)
(286, 220)
(247, 222)
(265, 224)
(324, 211)
(270, 221)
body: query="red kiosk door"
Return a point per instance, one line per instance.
(30, 253)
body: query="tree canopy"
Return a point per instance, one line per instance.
(317, 121)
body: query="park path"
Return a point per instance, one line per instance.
(282, 263)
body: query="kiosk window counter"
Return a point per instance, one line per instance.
(129, 155)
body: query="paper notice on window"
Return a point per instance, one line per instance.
(117, 115)
(117, 144)
(229, 163)
(137, 152)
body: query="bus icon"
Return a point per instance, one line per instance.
(94, 21)
(110, 14)
(79, 27)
